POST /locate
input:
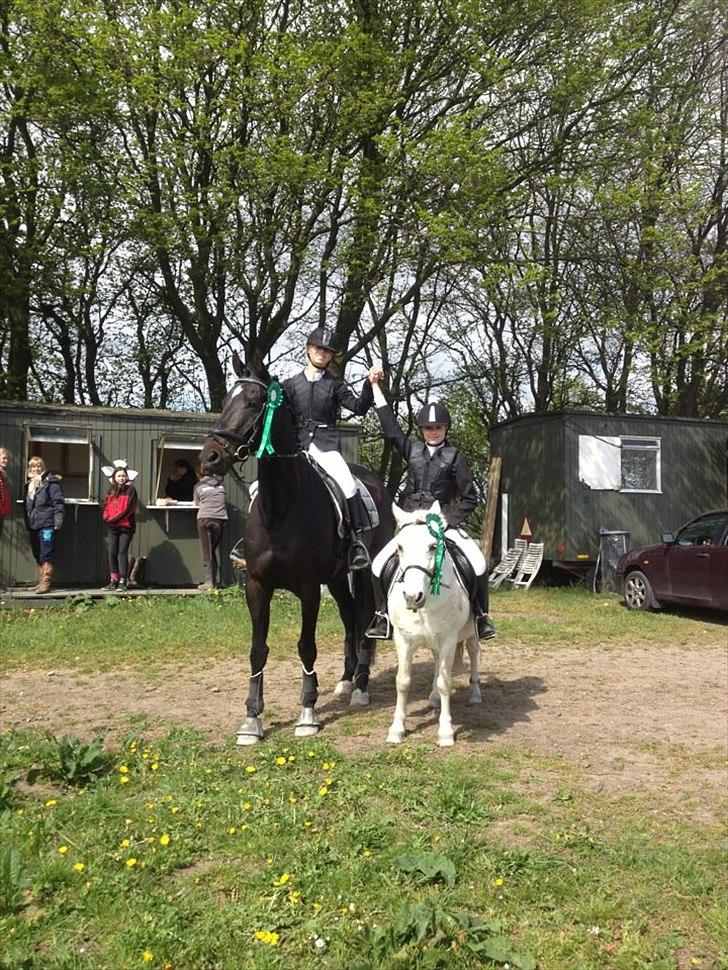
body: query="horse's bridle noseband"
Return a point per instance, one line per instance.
(223, 437)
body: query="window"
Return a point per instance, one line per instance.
(704, 532)
(641, 465)
(177, 457)
(620, 464)
(68, 453)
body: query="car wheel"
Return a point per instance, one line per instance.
(638, 593)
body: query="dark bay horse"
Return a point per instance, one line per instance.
(292, 542)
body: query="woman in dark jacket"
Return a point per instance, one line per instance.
(209, 497)
(119, 514)
(43, 508)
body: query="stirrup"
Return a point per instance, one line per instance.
(358, 555)
(380, 628)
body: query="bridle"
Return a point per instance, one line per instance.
(430, 573)
(228, 439)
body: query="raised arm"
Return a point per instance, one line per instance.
(392, 431)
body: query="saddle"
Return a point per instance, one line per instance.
(337, 497)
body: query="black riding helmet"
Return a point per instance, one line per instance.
(323, 337)
(433, 413)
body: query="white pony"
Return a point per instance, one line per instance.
(422, 617)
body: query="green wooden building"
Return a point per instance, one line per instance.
(567, 474)
(75, 442)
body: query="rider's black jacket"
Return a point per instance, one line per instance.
(315, 406)
(444, 475)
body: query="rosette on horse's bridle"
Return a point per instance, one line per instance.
(274, 399)
(437, 531)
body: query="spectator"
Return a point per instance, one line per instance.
(209, 497)
(5, 506)
(181, 482)
(119, 514)
(43, 508)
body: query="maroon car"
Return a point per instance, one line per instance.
(690, 567)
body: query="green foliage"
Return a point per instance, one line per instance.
(427, 867)
(76, 763)
(14, 881)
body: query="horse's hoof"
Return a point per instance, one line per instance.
(395, 737)
(308, 723)
(475, 697)
(343, 688)
(434, 700)
(446, 740)
(249, 732)
(359, 698)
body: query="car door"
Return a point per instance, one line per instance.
(689, 558)
(719, 571)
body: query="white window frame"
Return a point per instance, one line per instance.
(171, 442)
(655, 445)
(78, 435)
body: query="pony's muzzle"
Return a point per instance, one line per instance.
(414, 601)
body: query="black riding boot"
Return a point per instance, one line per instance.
(380, 628)
(358, 552)
(485, 628)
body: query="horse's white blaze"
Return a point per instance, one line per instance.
(422, 620)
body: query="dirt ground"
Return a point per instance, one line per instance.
(622, 719)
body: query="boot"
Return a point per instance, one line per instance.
(484, 627)
(358, 552)
(207, 583)
(39, 578)
(380, 628)
(46, 576)
(121, 588)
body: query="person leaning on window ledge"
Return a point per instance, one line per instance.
(181, 483)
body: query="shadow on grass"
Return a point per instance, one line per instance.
(686, 612)
(505, 703)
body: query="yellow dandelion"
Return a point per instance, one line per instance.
(124, 844)
(317, 907)
(326, 766)
(124, 779)
(208, 771)
(280, 760)
(323, 790)
(147, 956)
(79, 866)
(164, 839)
(131, 862)
(311, 754)
(266, 936)
(244, 826)
(269, 861)
(282, 879)
(292, 799)
(50, 802)
(295, 897)
(174, 809)
(291, 757)
(247, 806)
(328, 781)
(123, 770)
(250, 769)
(62, 849)
(367, 854)
(499, 881)
(155, 766)
(232, 830)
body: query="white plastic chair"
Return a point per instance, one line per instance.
(530, 566)
(508, 564)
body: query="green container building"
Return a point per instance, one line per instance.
(75, 442)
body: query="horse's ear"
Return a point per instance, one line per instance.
(238, 365)
(400, 517)
(435, 507)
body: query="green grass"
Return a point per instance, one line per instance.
(294, 839)
(154, 632)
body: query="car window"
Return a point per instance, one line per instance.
(702, 532)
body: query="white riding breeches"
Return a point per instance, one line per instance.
(333, 464)
(459, 536)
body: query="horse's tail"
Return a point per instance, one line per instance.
(364, 609)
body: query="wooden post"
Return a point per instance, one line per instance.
(491, 505)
